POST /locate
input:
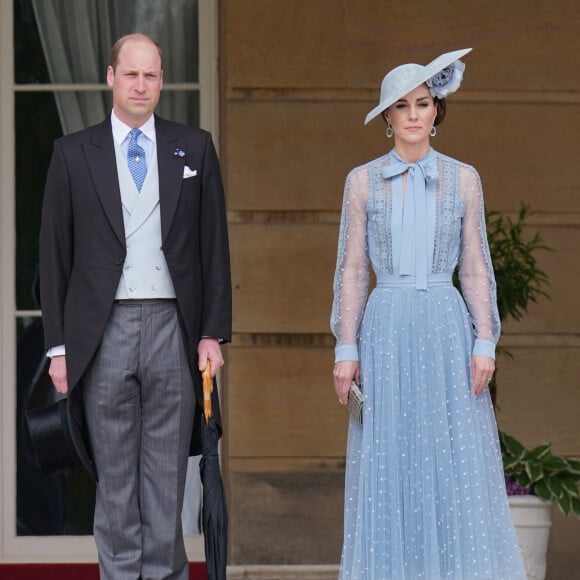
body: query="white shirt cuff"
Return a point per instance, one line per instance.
(56, 351)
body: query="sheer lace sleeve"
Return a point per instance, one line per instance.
(475, 267)
(351, 279)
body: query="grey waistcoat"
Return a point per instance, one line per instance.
(145, 273)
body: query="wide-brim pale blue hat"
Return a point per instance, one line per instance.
(406, 77)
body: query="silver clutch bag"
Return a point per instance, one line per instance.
(355, 402)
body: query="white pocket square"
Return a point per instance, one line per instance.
(187, 172)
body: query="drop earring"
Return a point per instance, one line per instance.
(433, 131)
(389, 132)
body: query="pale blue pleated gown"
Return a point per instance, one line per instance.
(424, 493)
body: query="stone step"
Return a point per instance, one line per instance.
(282, 572)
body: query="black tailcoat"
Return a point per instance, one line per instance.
(82, 247)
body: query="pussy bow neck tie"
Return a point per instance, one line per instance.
(419, 175)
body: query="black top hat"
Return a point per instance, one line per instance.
(55, 438)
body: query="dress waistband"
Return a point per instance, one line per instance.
(410, 281)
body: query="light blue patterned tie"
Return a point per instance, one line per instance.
(419, 175)
(136, 159)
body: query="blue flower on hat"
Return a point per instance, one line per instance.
(179, 152)
(447, 80)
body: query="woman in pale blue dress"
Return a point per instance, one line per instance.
(424, 493)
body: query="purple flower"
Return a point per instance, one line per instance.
(514, 488)
(179, 152)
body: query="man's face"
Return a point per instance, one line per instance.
(136, 81)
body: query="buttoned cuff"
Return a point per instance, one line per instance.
(484, 347)
(345, 352)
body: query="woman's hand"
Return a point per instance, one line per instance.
(482, 369)
(343, 374)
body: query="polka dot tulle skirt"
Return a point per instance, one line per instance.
(425, 494)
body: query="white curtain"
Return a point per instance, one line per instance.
(77, 36)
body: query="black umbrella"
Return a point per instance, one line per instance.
(214, 511)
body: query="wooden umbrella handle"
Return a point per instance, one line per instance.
(207, 391)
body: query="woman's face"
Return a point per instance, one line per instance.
(412, 116)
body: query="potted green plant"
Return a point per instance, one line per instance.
(539, 472)
(518, 278)
(536, 478)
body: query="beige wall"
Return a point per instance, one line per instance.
(297, 78)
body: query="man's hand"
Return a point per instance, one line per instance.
(209, 349)
(57, 372)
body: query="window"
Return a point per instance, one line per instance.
(53, 56)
